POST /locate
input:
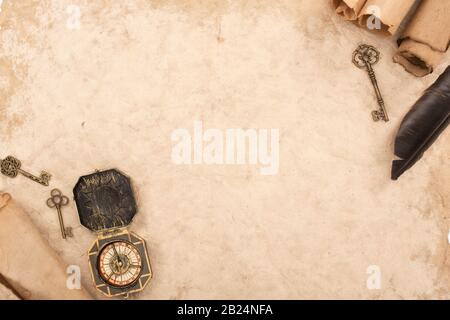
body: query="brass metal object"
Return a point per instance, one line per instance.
(118, 259)
(11, 167)
(364, 57)
(58, 200)
(119, 263)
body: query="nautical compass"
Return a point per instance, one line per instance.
(118, 258)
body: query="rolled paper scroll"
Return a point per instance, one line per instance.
(385, 15)
(349, 9)
(423, 124)
(27, 263)
(426, 39)
(6, 292)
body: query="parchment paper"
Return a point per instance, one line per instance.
(111, 92)
(29, 265)
(426, 39)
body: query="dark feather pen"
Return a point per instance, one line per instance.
(422, 125)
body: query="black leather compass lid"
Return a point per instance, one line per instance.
(105, 200)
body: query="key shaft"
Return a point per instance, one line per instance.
(380, 114)
(61, 222)
(43, 179)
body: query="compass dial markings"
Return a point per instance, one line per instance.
(120, 263)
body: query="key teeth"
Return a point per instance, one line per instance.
(45, 178)
(376, 116)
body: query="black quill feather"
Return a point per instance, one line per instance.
(422, 125)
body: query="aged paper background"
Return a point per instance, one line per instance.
(110, 93)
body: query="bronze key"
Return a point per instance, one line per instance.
(58, 200)
(11, 167)
(364, 57)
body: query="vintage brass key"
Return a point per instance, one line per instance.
(58, 200)
(365, 57)
(11, 167)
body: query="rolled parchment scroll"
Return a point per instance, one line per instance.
(349, 9)
(423, 25)
(375, 15)
(384, 15)
(7, 293)
(426, 39)
(27, 263)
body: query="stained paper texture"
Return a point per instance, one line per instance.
(95, 85)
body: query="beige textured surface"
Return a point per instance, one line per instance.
(110, 94)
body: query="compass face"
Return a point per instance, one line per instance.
(119, 264)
